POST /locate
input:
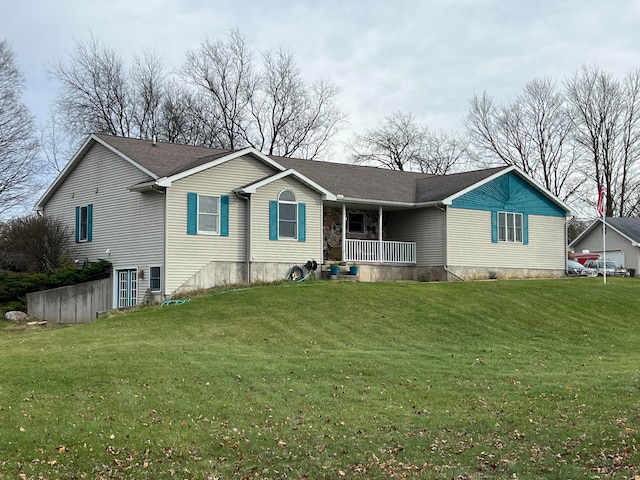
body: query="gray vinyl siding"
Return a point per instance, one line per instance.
(469, 242)
(286, 251)
(188, 254)
(128, 224)
(614, 242)
(425, 227)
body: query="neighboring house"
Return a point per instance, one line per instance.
(172, 218)
(622, 241)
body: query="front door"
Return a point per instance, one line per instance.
(127, 288)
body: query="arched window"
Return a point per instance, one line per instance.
(287, 215)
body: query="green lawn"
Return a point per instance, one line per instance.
(500, 379)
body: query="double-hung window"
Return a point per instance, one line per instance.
(287, 215)
(207, 214)
(510, 227)
(154, 279)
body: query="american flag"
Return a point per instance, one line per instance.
(601, 208)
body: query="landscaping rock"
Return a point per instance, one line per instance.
(16, 316)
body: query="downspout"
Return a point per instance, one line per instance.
(444, 246)
(247, 198)
(165, 246)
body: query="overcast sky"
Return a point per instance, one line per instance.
(427, 57)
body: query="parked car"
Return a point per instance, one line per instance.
(612, 269)
(576, 269)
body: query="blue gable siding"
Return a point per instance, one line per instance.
(509, 193)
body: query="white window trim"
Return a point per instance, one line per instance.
(159, 279)
(82, 239)
(295, 221)
(512, 216)
(209, 232)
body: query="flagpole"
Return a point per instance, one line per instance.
(601, 208)
(604, 250)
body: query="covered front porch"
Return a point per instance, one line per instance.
(357, 235)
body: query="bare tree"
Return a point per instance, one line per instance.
(533, 133)
(629, 148)
(396, 143)
(269, 107)
(400, 143)
(289, 116)
(147, 80)
(178, 122)
(35, 244)
(19, 162)
(224, 73)
(224, 99)
(605, 119)
(95, 92)
(444, 153)
(57, 143)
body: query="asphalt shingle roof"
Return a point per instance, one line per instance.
(436, 188)
(351, 181)
(630, 226)
(163, 159)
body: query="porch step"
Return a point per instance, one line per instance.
(346, 277)
(343, 276)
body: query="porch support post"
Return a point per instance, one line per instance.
(343, 230)
(380, 233)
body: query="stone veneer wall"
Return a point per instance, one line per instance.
(332, 227)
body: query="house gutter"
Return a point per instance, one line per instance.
(443, 208)
(390, 203)
(247, 198)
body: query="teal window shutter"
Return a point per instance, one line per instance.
(494, 227)
(302, 222)
(192, 213)
(525, 229)
(224, 216)
(89, 222)
(77, 224)
(273, 220)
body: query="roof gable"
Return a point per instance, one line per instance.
(628, 227)
(89, 143)
(509, 190)
(212, 161)
(254, 186)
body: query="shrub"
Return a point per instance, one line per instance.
(34, 244)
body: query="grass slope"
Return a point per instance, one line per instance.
(504, 379)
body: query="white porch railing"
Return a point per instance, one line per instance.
(374, 251)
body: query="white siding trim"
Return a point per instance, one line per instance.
(291, 172)
(167, 181)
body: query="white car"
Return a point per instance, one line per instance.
(612, 270)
